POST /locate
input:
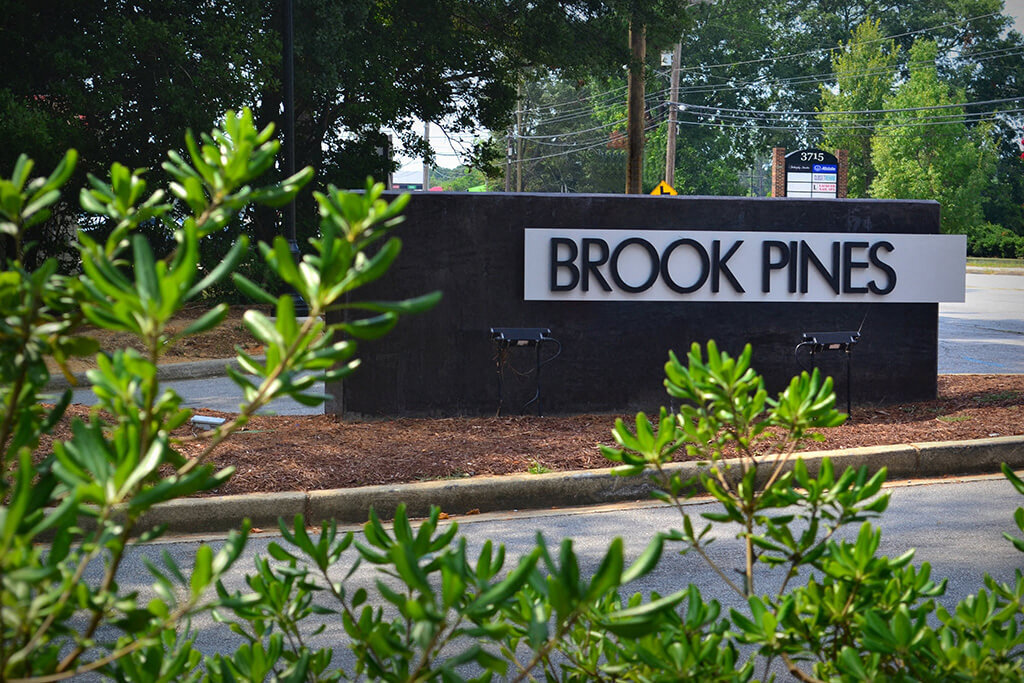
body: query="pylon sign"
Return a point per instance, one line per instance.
(664, 188)
(811, 173)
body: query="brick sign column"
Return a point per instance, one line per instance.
(778, 171)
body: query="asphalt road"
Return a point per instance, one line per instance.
(219, 393)
(985, 334)
(956, 525)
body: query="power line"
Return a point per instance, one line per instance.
(583, 148)
(609, 94)
(838, 47)
(831, 76)
(750, 112)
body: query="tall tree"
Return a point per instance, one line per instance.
(125, 78)
(121, 79)
(921, 156)
(863, 70)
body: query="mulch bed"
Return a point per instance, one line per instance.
(321, 452)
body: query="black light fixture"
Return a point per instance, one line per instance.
(819, 342)
(506, 338)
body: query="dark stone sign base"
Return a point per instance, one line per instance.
(470, 246)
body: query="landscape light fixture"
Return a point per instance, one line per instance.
(506, 338)
(819, 342)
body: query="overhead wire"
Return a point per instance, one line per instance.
(608, 94)
(842, 46)
(579, 109)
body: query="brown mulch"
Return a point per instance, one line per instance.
(282, 453)
(211, 345)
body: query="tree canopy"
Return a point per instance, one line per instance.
(917, 157)
(109, 77)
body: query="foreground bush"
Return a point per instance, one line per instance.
(842, 612)
(87, 496)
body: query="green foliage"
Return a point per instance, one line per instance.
(858, 616)
(948, 163)
(863, 71)
(994, 241)
(86, 496)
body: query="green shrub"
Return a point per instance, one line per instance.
(86, 496)
(994, 241)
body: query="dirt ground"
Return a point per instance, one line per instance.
(216, 343)
(283, 453)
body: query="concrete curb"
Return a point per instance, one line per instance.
(556, 489)
(170, 372)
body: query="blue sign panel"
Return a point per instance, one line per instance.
(825, 168)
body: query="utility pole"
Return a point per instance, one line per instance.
(670, 145)
(508, 161)
(519, 136)
(288, 83)
(635, 106)
(426, 165)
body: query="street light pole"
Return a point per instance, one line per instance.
(288, 82)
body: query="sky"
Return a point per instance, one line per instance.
(412, 169)
(1015, 8)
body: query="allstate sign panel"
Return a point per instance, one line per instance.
(669, 265)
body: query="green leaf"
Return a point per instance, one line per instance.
(609, 574)
(647, 561)
(146, 281)
(213, 317)
(227, 265)
(202, 570)
(371, 328)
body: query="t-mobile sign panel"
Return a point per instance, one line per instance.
(575, 264)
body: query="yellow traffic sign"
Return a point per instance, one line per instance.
(664, 188)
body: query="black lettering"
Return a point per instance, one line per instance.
(720, 265)
(768, 265)
(793, 266)
(590, 265)
(849, 264)
(807, 257)
(705, 266)
(651, 252)
(569, 263)
(883, 266)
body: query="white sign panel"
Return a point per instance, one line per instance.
(563, 264)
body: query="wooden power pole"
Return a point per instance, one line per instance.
(635, 106)
(670, 146)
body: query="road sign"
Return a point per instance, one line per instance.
(664, 188)
(811, 173)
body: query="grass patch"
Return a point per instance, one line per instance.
(995, 262)
(953, 418)
(537, 468)
(996, 397)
